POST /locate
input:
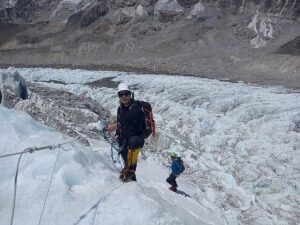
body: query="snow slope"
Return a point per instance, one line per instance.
(85, 188)
(241, 142)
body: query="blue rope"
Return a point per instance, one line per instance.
(114, 147)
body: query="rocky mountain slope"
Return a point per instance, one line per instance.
(248, 40)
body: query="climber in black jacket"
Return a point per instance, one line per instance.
(129, 127)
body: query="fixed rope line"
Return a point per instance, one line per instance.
(96, 205)
(109, 139)
(52, 175)
(113, 144)
(31, 150)
(35, 149)
(27, 150)
(102, 199)
(15, 192)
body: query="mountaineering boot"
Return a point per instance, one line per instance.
(133, 177)
(129, 176)
(122, 173)
(129, 171)
(122, 176)
(173, 188)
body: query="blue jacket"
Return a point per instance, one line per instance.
(175, 167)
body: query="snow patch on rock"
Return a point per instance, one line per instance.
(167, 5)
(262, 26)
(198, 9)
(141, 11)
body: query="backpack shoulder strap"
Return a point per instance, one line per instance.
(180, 162)
(119, 111)
(138, 103)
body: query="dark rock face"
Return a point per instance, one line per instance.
(291, 48)
(187, 3)
(170, 16)
(31, 11)
(123, 3)
(231, 4)
(28, 11)
(6, 16)
(115, 4)
(94, 13)
(75, 19)
(87, 17)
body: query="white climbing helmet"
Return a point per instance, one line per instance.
(123, 87)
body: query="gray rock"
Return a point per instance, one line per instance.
(31, 11)
(168, 6)
(170, 16)
(6, 16)
(123, 3)
(94, 13)
(85, 17)
(75, 19)
(291, 48)
(187, 3)
(121, 18)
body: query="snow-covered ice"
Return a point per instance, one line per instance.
(85, 188)
(241, 142)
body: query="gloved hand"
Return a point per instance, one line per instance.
(111, 127)
(116, 138)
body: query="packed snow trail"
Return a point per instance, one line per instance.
(82, 179)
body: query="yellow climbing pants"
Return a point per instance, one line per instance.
(132, 157)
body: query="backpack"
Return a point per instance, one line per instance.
(181, 167)
(149, 120)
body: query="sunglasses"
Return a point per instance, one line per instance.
(126, 93)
